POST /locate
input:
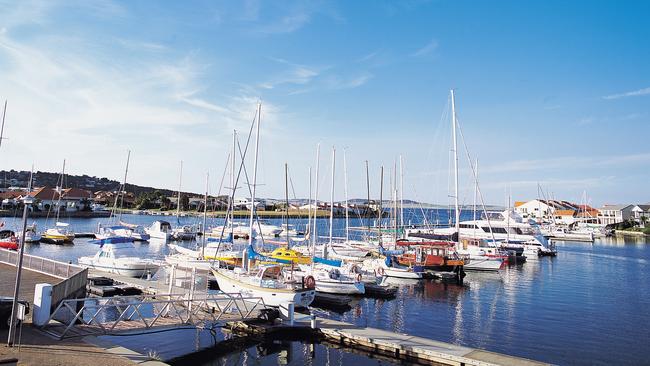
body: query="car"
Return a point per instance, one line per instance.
(5, 310)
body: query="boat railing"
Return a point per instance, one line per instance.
(87, 316)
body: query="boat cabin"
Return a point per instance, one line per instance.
(161, 226)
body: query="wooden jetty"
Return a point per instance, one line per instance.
(385, 344)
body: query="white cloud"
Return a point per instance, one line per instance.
(635, 93)
(426, 49)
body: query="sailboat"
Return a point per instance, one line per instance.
(182, 232)
(270, 282)
(60, 234)
(127, 233)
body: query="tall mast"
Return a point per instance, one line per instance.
(308, 227)
(313, 240)
(178, 204)
(60, 192)
(233, 183)
(2, 128)
(475, 188)
(122, 187)
(331, 203)
(253, 191)
(401, 191)
(205, 215)
(286, 197)
(368, 201)
(453, 131)
(381, 199)
(347, 213)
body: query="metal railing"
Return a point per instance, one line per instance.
(114, 314)
(73, 277)
(42, 265)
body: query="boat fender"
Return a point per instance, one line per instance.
(310, 282)
(380, 271)
(359, 277)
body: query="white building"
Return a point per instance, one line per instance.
(614, 214)
(641, 211)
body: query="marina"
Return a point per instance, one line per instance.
(513, 293)
(321, 183)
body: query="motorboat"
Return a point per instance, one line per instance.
(58, 235)
(161, 230)
(185, 232)
(564, 233)
(115, 231)
(331, 280)
(440, 256)
(272, 283)
(8, 240)
(292, 230)
(119, 257)
(137, 232)
(389, 268)
(269, 230)
(237, 229)
(294, 256)
(31, 235)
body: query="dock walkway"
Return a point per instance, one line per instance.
(28, 281)
(403, 346)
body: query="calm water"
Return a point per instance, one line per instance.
(589, 305)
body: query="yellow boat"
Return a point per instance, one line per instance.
(290, 255)
(55, 236)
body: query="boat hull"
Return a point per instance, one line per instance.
(272, 296)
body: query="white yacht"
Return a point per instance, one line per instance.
(161, 230)
(120, 258)
(270, 282)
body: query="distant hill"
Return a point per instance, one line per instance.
(13, 178)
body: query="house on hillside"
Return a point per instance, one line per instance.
(70, 199)
(614, 214)
(10, 199)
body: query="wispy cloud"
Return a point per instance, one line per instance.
(426, 49)
(635, 93)
(351, 83)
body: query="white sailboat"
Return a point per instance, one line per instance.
(270, 282)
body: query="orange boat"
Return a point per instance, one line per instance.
(433, 255)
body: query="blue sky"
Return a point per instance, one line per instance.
(548, 92)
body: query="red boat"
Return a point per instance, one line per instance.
(435, 255)
(8, 240)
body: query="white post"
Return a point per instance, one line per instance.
(172, 279)
(313, 321)
(42, 304)
(290, 313)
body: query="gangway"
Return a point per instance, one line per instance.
(102, 316)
